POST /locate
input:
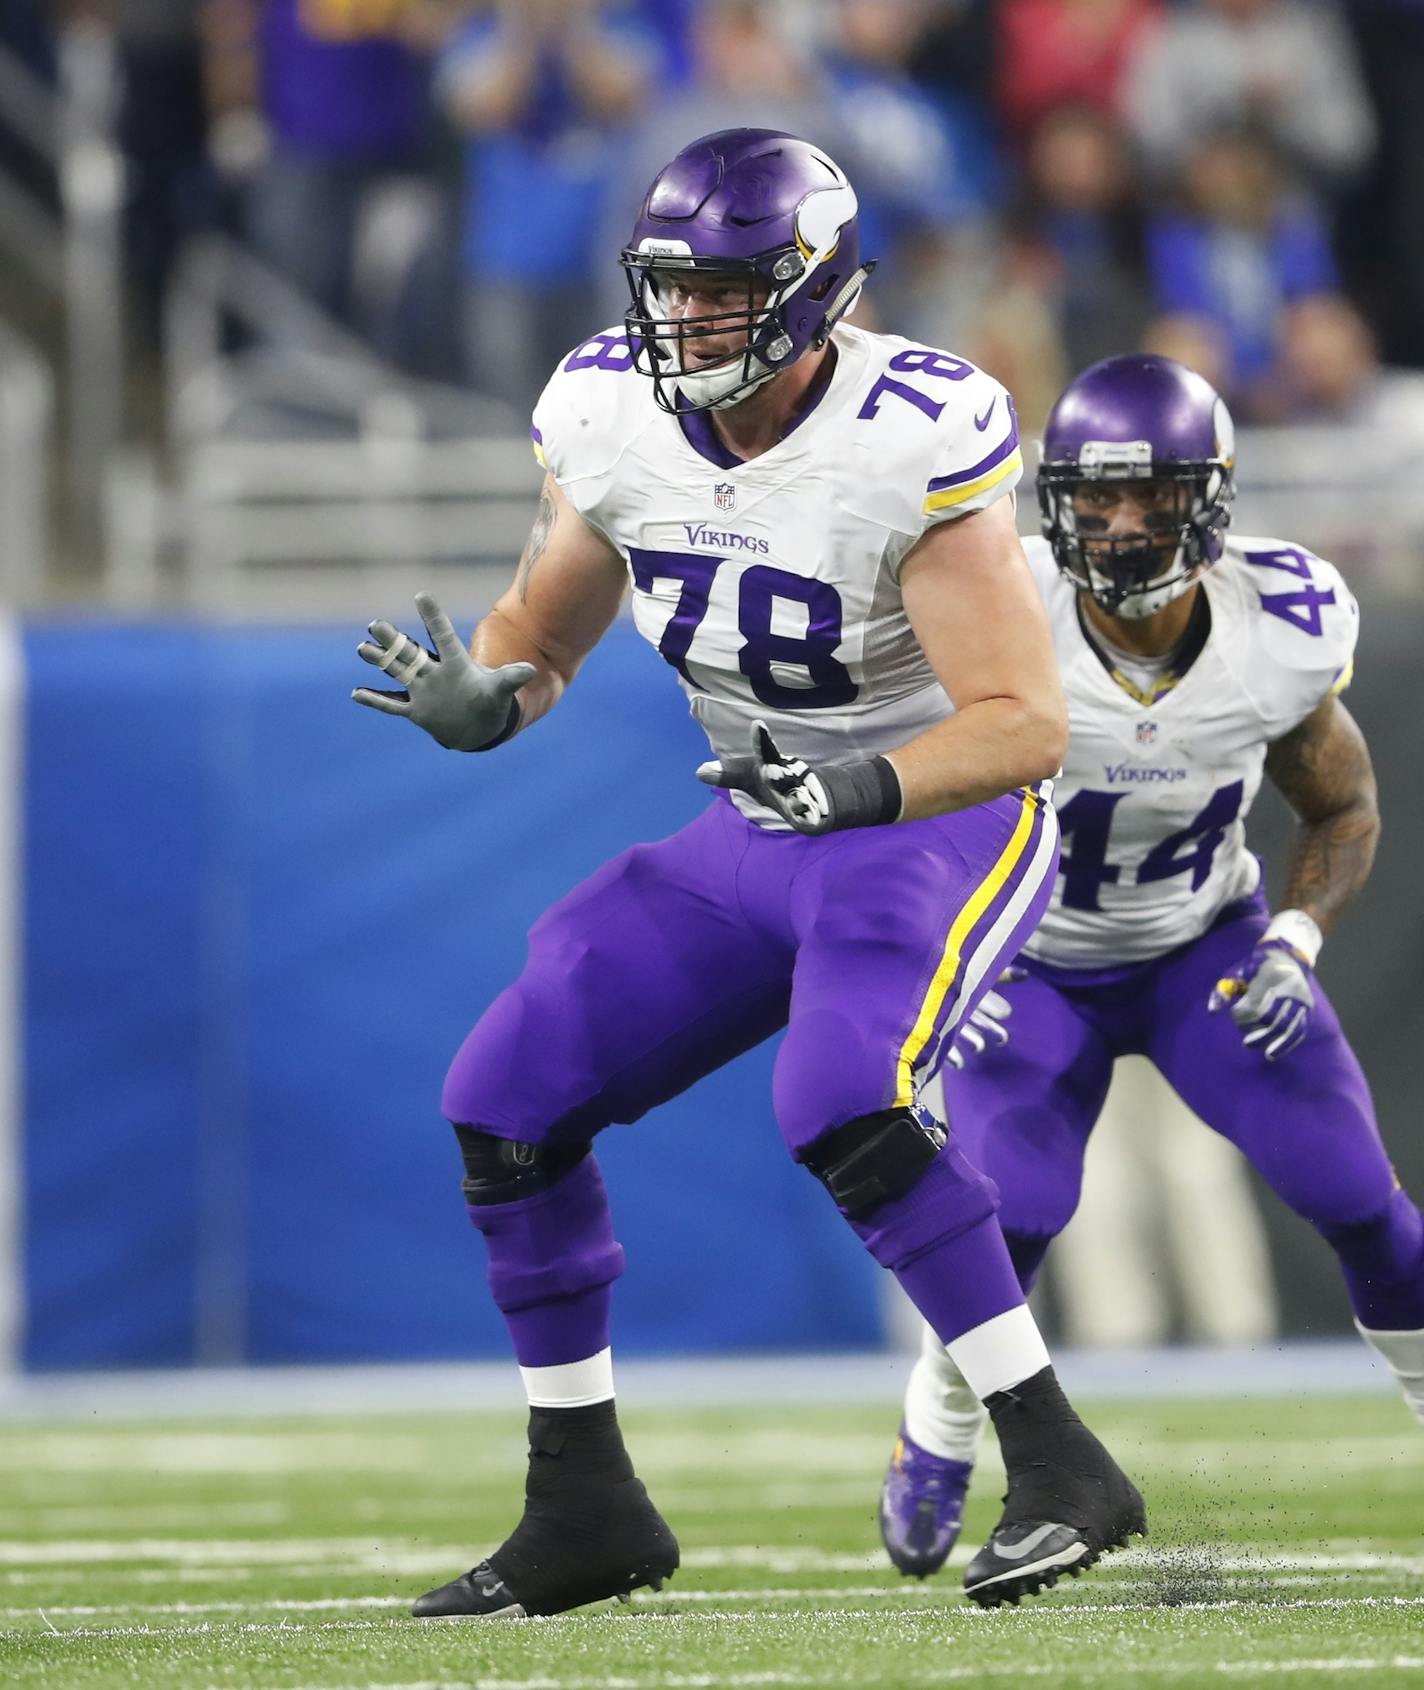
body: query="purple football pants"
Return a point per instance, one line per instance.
(867, 946)
(1306, 1123)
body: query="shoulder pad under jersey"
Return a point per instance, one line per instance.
(936, 438)
(592, 406)
(1302, 622)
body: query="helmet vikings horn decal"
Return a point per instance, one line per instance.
(765, 224)
(1136, 418)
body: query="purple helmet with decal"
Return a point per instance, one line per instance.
(1137, 418)
(763, 226)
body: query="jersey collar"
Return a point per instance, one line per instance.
(700, 433)
(1189, 649)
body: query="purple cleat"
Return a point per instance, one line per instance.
(921, 1507)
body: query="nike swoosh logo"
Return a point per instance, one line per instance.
(1027, 1547)
(982, 422)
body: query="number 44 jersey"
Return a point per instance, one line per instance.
(1153, 796)
(772, 586)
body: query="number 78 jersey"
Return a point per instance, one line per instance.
(772, 586)
(1153, 796)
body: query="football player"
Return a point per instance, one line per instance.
(1191, 663)
(817, 529)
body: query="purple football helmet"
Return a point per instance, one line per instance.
(1137, 418)
(754, 209)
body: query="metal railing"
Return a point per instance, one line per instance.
(26, 426)
(77, 254)
(305, 465)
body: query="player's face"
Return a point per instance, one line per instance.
(1149, 511)
(715, 310)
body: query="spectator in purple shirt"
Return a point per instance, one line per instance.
(344, 90)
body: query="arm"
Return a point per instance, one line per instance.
(566, 591)
(488, 89)
(606, 74)
(1322, 770)
(977, 615)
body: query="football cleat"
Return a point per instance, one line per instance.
(594, 1546)
(921, 1507)
(1068, 1502)
(589, 1530)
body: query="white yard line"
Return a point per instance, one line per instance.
(671, 1460)
(49, 1517)
(355, 1553)
(665, 1607)
(941, 1674)
(1387, 1663)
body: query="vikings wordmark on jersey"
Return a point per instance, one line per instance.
(1153, 796)
(772, 586)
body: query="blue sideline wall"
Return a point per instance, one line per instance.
(257, 922)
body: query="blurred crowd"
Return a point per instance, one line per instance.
(1237, 182)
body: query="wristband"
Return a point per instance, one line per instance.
(864, 794)
(508, 731)
(1300, 931)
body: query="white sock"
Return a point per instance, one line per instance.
(1000, 1352)
(572, 1384)
(1404, 1352)
(942, 1414)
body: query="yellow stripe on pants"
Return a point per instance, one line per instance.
(945, 975)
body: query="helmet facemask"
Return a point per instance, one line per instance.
(664, 342)
(1134, 575)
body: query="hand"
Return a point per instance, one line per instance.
(861, 794)
(1270, 997)
(458, 702)
(985, 1025)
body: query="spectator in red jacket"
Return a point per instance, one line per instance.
(1053, 53)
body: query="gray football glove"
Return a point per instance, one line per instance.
(984, 1027)
(1269, 996)
(458, 702)
(861, 794)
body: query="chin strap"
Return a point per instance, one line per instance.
(844, 300)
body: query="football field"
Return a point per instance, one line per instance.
(1286, 1549)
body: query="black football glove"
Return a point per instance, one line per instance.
(839, 795)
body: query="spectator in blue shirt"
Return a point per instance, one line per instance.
(1078, 229)
(541, 89)
(1242, 251)
(923, 162)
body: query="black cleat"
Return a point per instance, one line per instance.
(1068, 1502)
(589, 1530)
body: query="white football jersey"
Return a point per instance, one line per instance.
(1153, 797)
(772, 586)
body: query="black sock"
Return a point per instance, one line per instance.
(578, 1442)
(1039, 1399)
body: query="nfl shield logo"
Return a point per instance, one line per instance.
(1146, 732)
(724, 495)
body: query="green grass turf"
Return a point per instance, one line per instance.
(1285, 1551)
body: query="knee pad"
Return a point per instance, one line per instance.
(874, 1158)
(503, 1170)
(543, 1214)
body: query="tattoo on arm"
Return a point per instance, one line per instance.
(537, 543)
(1322, 769)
